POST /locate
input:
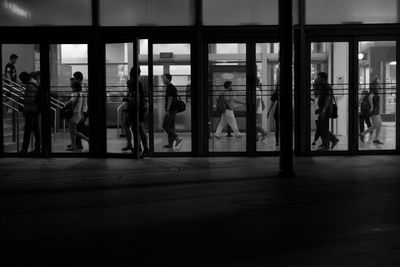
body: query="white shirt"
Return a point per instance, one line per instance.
(259, 98)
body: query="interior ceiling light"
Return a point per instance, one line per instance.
(392, 63)
(360, 56)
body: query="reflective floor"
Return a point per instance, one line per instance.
(200, 212)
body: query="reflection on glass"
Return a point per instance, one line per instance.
(69, 91)
(121, 101)
(267, 96)
(172, 127)
(20, 98)
(227, 98)
(329, 77)
(377, 95)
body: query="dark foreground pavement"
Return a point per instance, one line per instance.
(338, 211)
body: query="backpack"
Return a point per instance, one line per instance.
(365, 105)
(221, 104)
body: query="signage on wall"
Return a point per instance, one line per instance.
(166, 55)
(227, 76)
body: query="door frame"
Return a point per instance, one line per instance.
(251, 75)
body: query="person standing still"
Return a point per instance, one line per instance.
(10, 70)
(171, 95)
(31, 112)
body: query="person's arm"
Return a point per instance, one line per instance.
(73, 99)
(272, 107)
(258, 103)
(371, 103)
(169, 102)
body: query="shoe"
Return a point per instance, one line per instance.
(322, 148)
(361, 138)
(77, 147)
(168, 146)
(277, 144)
(134, 151)
(263, 137)
(178, 141)
(70, 149)
(378, 142)
(238, 136)
(313, 143)
(217, 136)
(35, 151)
(145, 153)
(334, 143)
(128, 147)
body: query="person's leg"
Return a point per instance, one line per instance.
(231, 121)
(324, 128)
(143, 136)
(260, 129)
(378, 125)
(361, 119)
(368, 120)
(277, 129)
(36, 131)
(221, 126)
(72, 130)
(27, 132)
(172, 116)
(80, 128)
(128, 134)
(165, 125)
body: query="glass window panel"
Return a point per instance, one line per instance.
(147, 12)
(227, 126)
(267, 135)
(13, 97)
(45, 12)
(240, 12)
(351, 11)
(69, 135)
(332, 60)
(172, 130)
(377, 95)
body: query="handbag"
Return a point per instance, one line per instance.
(334, 110)
(179, 105)
(67, 111)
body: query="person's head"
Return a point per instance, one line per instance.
(374, 85)
(227, 85)
(76, 86)
(13, 58)
(258, 82)
(36, 75)
(166, 78)
(132, 73)
(78, 76)
(323, 76)
(24, 77)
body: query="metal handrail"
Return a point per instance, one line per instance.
(20, 88)
(13, 100)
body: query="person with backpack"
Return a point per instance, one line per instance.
(225, 104)
(31, 112)
(364, 116)
(374, 102)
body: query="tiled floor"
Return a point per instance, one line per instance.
(337, 211)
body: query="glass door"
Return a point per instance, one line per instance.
(20, 93)
(377, 83)
(170, 112)
(329, 87)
